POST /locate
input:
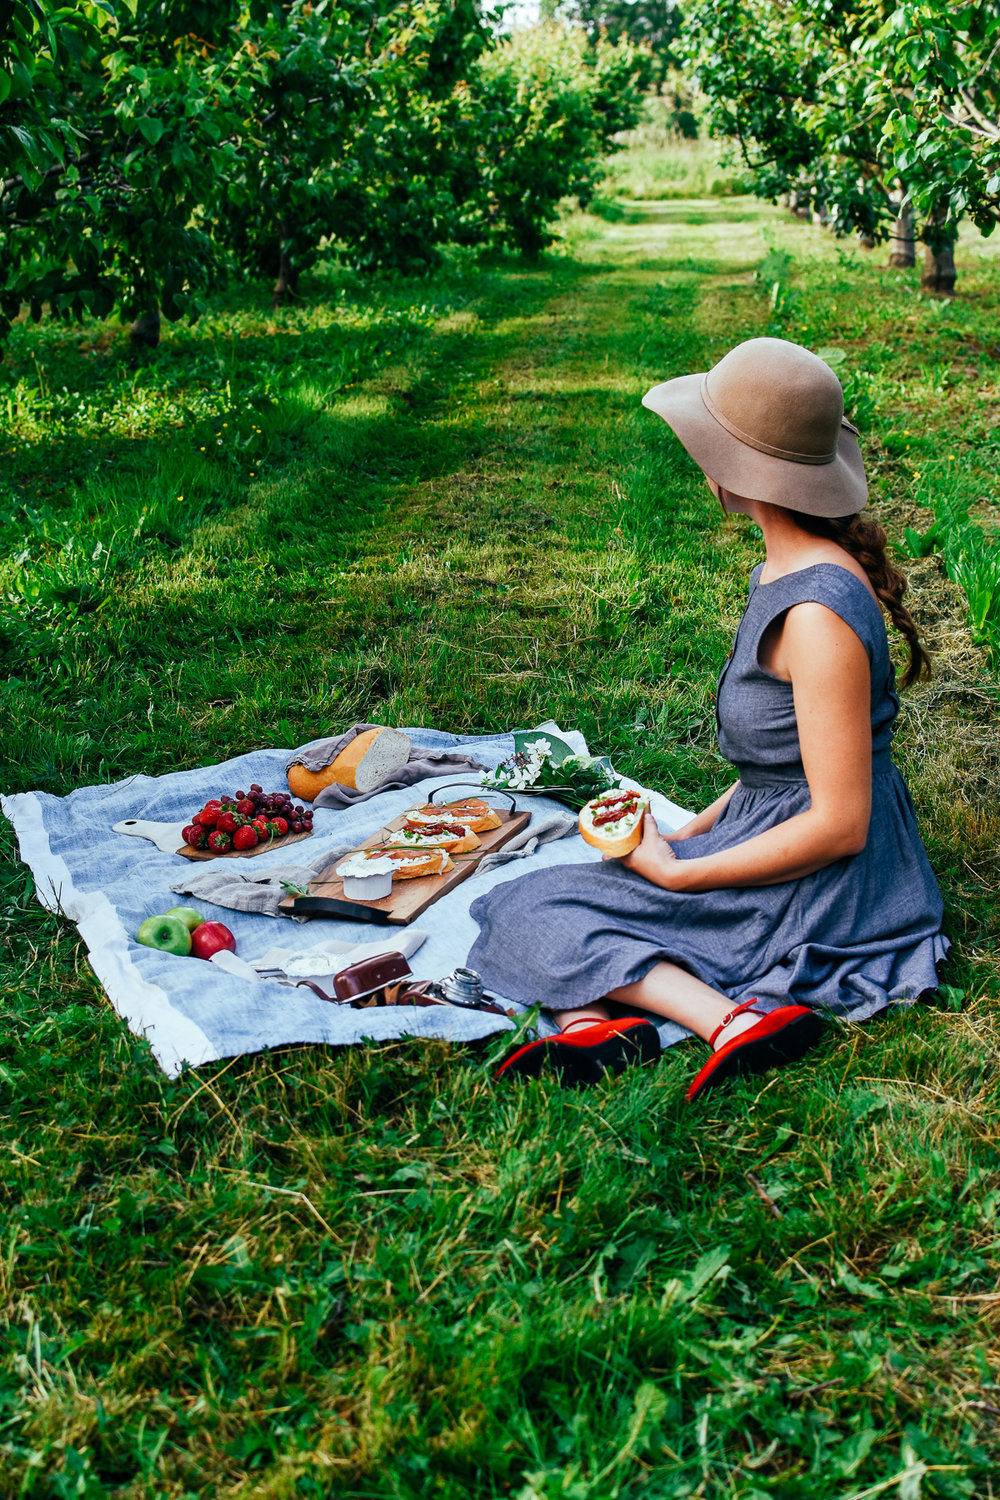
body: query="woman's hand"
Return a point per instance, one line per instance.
(654, 859)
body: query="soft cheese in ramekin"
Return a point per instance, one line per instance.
(366, 879)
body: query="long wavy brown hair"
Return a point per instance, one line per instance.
(865, 540)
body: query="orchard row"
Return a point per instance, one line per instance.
(154, 149)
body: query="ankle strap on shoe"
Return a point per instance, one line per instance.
(747, 1005)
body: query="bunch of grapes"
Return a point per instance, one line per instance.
(275, 805)
(246, 820)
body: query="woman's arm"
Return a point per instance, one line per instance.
(831, 681)
(706, 819)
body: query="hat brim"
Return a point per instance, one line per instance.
(831, 489)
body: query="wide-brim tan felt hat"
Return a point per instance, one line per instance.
(767, 423)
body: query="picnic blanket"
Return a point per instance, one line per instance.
(192, 1012)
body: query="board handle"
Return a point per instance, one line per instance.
(482, 791)
(330, 906)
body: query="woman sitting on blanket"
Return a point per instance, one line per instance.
(804, 888)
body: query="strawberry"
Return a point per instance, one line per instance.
(246, 807)
(280, 827)
(208, 817)
(194, 835)
(229, 822)
(219, 842)
(245, 837)
(262, 826)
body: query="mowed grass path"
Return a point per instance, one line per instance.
(372, 1273)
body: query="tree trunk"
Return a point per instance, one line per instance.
(938, 274)
(284, 287)
(902, 246)
(145, 331)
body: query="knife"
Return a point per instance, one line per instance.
(329, 906)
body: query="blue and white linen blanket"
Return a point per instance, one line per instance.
(190, 1011)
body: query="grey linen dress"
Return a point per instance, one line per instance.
(853, 937)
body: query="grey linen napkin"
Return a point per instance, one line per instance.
(556, 826)
(222, 883)
(422, 763)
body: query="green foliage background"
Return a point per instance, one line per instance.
(153, 149)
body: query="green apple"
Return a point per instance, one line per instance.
(187, 915)
(167, 933)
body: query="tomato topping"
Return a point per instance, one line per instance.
(611, 798)
(615, 814)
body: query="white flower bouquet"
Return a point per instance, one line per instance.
(543, 765)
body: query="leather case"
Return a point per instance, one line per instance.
(370, 974)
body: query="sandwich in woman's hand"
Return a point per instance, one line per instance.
(613, 821)
(474, 812)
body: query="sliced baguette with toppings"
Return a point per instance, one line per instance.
(474, 812)
(613, 821)
(412, 863)
(365, 763)
(455, 837)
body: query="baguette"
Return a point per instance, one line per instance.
(472, 811)
(613, 821)
(368, 760)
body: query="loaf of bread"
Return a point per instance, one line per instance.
(613, 822)
(370, 758)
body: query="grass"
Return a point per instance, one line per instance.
(371, 1273)
(655, 163)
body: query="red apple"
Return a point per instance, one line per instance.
(209, 938)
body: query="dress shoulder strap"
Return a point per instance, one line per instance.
(831, 585)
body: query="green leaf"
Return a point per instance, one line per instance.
(560, 750)
(833, 357)
(151, 128)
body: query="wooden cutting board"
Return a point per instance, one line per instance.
(408, 899)
(289, 838)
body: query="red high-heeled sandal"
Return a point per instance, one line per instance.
(780, 1036)
(599, 1047)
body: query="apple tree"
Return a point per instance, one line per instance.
(935, 85)
(548, 104)
(107, 205)
(881, 116)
